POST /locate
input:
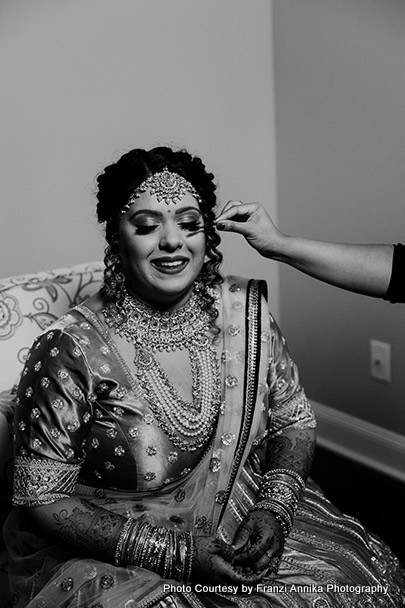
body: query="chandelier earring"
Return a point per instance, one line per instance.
(114, 278)
(199, 287)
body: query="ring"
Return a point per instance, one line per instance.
(274, 564)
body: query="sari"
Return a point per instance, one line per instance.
(329, 559)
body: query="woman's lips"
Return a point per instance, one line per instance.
(170, 265)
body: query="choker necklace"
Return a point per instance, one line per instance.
(188, 424)
(160, 330)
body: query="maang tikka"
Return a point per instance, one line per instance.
(167, 186)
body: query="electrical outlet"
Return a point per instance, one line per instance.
(380, 360)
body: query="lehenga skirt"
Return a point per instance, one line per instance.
(330, 561)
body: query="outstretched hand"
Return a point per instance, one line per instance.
(253, 222)
(259, 541)
(213, 562)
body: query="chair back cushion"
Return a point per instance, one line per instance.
(28, 305)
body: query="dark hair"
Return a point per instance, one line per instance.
(119, 180)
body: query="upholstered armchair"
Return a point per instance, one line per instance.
(28, 305)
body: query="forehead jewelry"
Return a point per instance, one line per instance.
(166, 186)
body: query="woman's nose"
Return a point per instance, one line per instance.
(171, 238)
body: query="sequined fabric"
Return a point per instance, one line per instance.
(79, 405)
(39, 481)
(82, 419)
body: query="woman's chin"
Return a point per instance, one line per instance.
(167, 295)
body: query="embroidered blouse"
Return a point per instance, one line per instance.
(81, 416)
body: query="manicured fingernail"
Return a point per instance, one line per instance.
(220, 226)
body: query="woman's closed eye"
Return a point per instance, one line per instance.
(145, 228)
(191, 225)
(188, 225)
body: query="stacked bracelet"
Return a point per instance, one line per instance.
(290, 478)
(121, 540)
(280, 491)
(156, 548)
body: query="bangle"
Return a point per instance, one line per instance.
(182, 553)
(289, 472)
(127, 547)
(191, 550)
(170, 555)
(121, 540)
(273, 505)
(283, 517)
(281, 490)
(145, 546)
(155, 548)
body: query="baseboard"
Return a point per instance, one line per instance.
(361, 441)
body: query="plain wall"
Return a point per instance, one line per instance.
(86, 80)
(340, 125)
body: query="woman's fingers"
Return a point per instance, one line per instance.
(242, 535)
(267, 561)
(225, 551)
(255, 539)
(237, 575)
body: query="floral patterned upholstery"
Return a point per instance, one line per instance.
(28, 305)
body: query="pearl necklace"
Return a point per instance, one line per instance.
(188, 424)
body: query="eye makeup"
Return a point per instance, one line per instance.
(189, 224)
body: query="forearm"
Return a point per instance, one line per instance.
(110, 537)
(363, 269)
(288, 462)
(80, 525)
(293, 449)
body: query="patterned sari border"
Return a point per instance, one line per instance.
(253, 324)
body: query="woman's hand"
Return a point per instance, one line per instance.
(253, 222)
(259, 541)
(213, 562)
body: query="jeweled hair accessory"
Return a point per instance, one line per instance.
(167, 186)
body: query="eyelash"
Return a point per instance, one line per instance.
(191, 226)
(144, 229)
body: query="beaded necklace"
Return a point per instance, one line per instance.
(188, 424)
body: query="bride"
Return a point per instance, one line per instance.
(163, 440)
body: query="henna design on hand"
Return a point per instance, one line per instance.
(210, 563)
(87, 527)
(259, 539)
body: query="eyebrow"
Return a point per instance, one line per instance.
(154, 213)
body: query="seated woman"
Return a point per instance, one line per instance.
(163, 440)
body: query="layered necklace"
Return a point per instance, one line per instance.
(188, 424)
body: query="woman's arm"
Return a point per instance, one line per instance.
(91, 530)
(80, 525)
(52, 420)
(364, 269)
(286, 462)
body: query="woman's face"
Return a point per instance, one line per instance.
(162, 248)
